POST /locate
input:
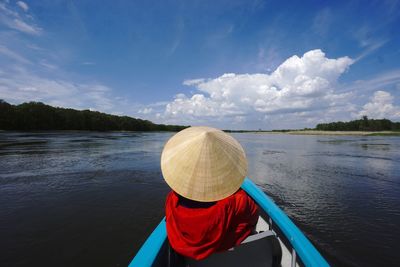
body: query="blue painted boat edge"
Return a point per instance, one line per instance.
(150, 249)
(304, 249)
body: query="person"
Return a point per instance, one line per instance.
(206, 211)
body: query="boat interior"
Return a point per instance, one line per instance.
(265, 247)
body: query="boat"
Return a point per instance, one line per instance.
(277, 241)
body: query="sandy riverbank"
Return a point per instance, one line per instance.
(363, 133)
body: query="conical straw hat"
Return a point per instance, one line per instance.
(203, 164)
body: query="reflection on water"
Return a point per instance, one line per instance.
(80, 198)
(344, 196)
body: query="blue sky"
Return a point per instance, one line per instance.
(229, 64)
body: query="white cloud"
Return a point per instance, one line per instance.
(19, 85)
(22, 26)
(267, 58)
(193, 82)
(381, 106)
(300, 84)
(32, 73)
(199, 106)
(88, 63)
(24, 6)
(371, 47)
(34, 47)
(17, 22)
(13, 55)
(47, 65)
(381, 80)
(6, 11)
(179, 29)
(145, 111)
(370, 37)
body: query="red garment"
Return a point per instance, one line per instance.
(198, 232)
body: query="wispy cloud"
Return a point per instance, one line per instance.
(378, 82)
(371, 47)
(47, 65)
(267, 58)
(22, 26)
(24, 6)
(14, 20)
(322, 21)
(20, 85)
(13, 55)
(219, 34)
(88, 63)
(34, 47)
(371, 37)
(193, 82)
(180, 27)
(39, 78)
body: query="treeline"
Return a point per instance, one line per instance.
(363, 124)
(38, 116)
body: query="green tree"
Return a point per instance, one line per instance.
(38, 116)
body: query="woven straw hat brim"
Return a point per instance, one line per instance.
(203, 164)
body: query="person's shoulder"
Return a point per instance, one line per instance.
(241, 194)
(243, 199)
(239, 198)
(171, 197)
(170, 194)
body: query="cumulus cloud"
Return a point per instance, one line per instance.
(381, 106)
(300, 84)
(199, 105)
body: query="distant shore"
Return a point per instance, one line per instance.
(363, 133)
(292, 132)
(317, 132)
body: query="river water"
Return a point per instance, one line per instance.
(91, 199)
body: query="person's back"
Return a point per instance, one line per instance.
(207, 211)
(197, 230)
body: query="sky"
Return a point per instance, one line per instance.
(227, 64)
